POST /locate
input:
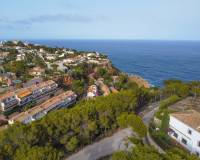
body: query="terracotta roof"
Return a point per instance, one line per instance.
(21, 116)
(42, 85)
(92, 88)
(189, 117)
(6, 95)
(23, 92)
(56, 99)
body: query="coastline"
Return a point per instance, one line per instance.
(140, 81)
(144, 58)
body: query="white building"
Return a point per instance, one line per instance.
(27, 94)
(61, 101)
(24, 96)
(69, 52)
(184, 127)
(41, 50)
(20, 57)
(8, 101)
(51, 57)
(92, 91)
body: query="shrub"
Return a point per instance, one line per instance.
(133, 121)
(169, 101)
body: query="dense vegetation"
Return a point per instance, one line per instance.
(144, 152)
(66, 130)
(129, 120)
(180, 88)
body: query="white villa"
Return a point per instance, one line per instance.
(92, 91)
(184, 127)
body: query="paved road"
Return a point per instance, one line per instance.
(149, 115)
(104, 147)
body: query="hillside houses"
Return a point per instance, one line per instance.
(8, 101)
(26, 95)
(20, 56)
(63, 100)
(29, 62)
(37, 71)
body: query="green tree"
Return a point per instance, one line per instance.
(78, 73)
(101, 72)
(176, 87)
(18, 67)
(72, 144)
(122, 120)
(39, 153)
(78, 86)
(134, 121)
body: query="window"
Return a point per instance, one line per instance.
(184, 141)
(175, 135)
(189, 131)
(198, 143)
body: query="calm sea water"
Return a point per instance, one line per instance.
(154, 60)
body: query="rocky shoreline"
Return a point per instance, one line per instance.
(140, 81)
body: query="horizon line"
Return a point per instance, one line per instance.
(103, 39)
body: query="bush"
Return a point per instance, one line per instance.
(169, 101)
(145, 152)
(176, 87)
(133, 121)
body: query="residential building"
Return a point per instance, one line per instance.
(5, 80)
(3, 55)
(8, 101)
(44, 88)
(24, 96)
(33, 82)
(20, 57)
(92, 91)
(41, 50)
(61, 55)
(50, 57)
(68, 52)
(63, 100)
(37, 71)
(184, 127)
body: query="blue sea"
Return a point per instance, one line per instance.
(155, 61)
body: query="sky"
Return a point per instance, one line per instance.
(100, 19)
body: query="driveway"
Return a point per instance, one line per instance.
(148, 116)
(104, 147)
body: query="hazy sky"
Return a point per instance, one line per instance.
(100, 19)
